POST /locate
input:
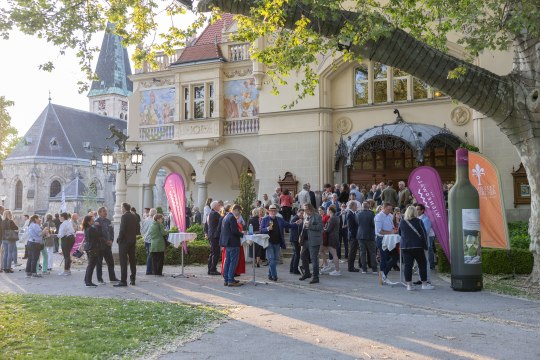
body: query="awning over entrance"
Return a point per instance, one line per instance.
(399, 136)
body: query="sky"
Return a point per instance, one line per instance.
(21, 80)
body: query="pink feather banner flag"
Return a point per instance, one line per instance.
(176, 196)
(426, 186)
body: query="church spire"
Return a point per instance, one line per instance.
(112, 68)
(109, 94)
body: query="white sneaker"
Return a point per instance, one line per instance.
(327, 268)
(335, 273)
(410, 288)
(428, 287)
(342, 261)
(388, 282)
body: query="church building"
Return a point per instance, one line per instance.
(56, 160)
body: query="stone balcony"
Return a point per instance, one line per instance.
(198, 134)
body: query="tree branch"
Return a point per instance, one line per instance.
(478, 88)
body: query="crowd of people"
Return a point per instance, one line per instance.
(319, 224)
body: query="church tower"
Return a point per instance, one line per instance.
(109, 94)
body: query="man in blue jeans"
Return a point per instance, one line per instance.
(274, 226)
(384, 225)
(230, 239)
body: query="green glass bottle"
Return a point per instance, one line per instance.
(464, 216)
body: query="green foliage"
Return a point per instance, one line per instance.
(159, 210)
(68, 327)
(501, 261)
(470, 147)
(198, 252)
(247, 195)
(496, 261)
(519, 235)
(198, 229)
(443, 265)
(8, 134)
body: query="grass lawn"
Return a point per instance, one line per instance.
(67, 327)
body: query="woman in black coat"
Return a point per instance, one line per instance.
(413, 243)
(92, 246)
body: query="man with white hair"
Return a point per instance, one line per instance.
(404, 196)
(213, 232)
(275, 196)
(147, 239)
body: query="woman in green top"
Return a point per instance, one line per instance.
(156, 234)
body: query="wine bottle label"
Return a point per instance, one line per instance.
(471, 236)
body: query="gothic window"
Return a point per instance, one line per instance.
(380, 86)
(121, 116)
(55, 188)
(361, 85)
(18, 195)
(124, 105)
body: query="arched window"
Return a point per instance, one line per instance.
(121, 116)
(18, 195)
(55, 188)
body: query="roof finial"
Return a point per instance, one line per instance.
(399, 119)
(50, 99)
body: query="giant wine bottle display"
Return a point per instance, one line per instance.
(464, 216)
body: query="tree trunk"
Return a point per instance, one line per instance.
(512, 101)
(530, 157)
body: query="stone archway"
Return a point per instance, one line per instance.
(153, 194)
(222, 174)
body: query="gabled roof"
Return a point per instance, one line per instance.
(206, 52)
(212, 34)
(112, 68)
(206, 46)
(63, 132)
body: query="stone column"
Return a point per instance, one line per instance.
(148, 195)
(202, 194)
(120, 188)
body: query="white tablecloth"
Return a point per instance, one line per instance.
(261, 239)
(176, 239)
(389, 242)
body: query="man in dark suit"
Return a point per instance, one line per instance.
(353, 242)
(294, 239)
(212, 232)
(129, 227)
(230, 239)
(366, 237)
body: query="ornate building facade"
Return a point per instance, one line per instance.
(208, 114)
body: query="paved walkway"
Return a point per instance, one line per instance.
(350, 317)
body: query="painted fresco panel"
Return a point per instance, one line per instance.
(241, 99)
(157, 106)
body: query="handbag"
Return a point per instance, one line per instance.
(78, 254)
(11, 235)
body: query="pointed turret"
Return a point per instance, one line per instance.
(109, 94)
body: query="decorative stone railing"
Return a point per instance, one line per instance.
(238, 52)
(163, 61)
(241, 127)
(156, 132)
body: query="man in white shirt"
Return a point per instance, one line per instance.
(384, 225)
(303, 196)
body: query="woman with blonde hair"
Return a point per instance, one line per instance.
(9, 241)
(413, 243)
